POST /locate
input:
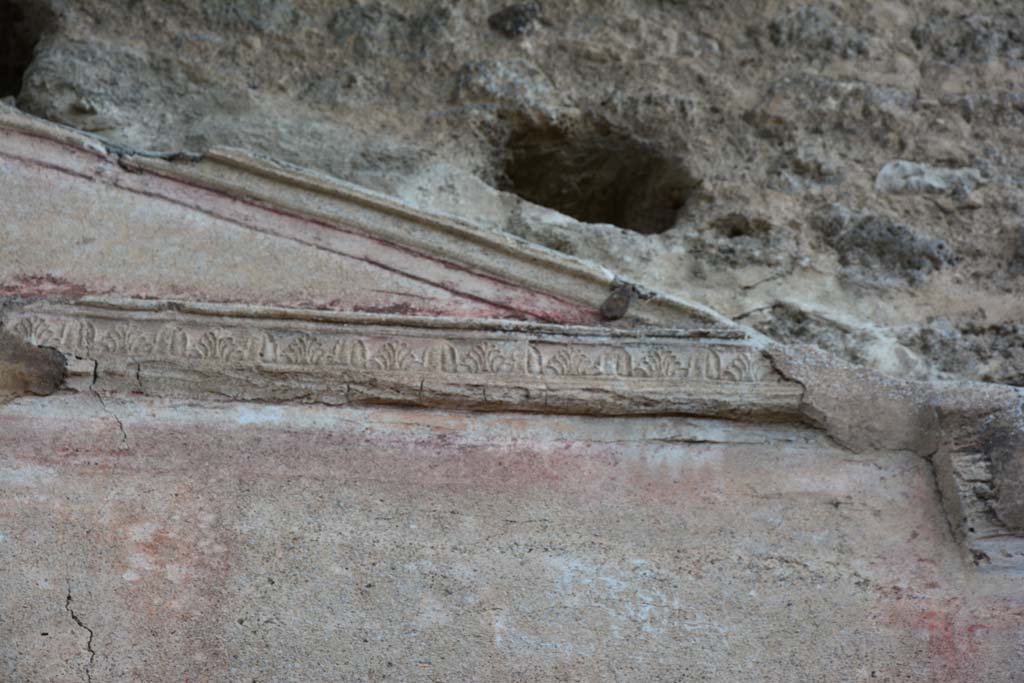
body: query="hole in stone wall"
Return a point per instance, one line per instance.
(20, 28)
(597, 174)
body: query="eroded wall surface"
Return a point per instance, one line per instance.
(198, 480)
(169, 541)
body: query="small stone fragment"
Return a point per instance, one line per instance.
(908, 177)
(84, 105)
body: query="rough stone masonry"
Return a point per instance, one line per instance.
(840, 174)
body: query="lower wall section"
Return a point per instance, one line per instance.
(159, 541)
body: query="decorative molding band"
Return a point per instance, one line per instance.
(173, 348)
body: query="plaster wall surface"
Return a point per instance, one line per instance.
(170, 541)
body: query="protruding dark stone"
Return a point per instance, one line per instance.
(617, 303)
(515, 20)
(27, 369)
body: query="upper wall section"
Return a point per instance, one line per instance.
(80, 219)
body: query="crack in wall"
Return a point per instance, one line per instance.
(807, 413)
(103, 404)
(88, 643)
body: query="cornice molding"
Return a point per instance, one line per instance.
(261, 353)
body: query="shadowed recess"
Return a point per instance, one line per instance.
(597, 174)
(20, 27)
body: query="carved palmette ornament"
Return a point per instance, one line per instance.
(405, 351)
(487, 358)
(220, 346)
(661, 363)
(305, 350)
(745, 368)
(395, 356)
(35, 331)
(572, 361)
